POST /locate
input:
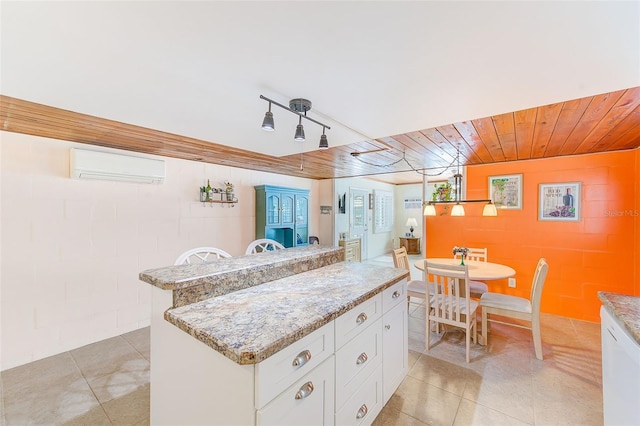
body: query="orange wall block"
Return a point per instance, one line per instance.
(597, 253)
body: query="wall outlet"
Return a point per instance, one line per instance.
(512, 282)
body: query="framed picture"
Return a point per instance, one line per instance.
(559, 201)
(506, 191)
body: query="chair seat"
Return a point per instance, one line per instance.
(504, 301)
(418, 286)
(478, 287)
(445, 300)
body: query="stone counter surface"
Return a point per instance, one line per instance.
(248, 326)
(626, 309)
(197, 282)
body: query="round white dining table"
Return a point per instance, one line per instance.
(478, 270)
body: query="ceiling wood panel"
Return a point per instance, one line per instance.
(603, 122)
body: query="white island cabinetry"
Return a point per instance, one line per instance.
(308, 349)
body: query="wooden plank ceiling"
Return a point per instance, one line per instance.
(606, 122)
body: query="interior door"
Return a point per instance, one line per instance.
(359, 218)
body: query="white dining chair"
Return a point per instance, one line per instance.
(201, 255)
(262, 244)
(477, 288)
(451, 303)
(415, 288)
(517, 308)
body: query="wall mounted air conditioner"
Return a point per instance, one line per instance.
(98, 165)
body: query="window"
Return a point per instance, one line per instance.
(382, 211)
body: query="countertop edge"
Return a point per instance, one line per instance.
(626, 309)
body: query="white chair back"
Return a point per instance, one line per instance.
(451, 303)
(479, 254)
(539, 278)
(201, 255)
(262, 244)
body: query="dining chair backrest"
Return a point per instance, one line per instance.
(201, 255)
(450, 291)
(479, 254)
(451, 302)
(262, 244)
(539, 277)
(401, 259)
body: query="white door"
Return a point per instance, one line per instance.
(359, 218)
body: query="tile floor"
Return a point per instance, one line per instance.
(504, 384)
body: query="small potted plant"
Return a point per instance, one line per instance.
(229, 190)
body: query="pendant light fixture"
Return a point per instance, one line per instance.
(458, 208)
(300, 107)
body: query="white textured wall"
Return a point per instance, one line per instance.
(72, 250)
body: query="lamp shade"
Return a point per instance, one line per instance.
(324, 143)
(412, 222)
(429, 210)
(457, 210)
(299, 133)
(489, 210)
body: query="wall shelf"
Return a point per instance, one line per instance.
(211, 202)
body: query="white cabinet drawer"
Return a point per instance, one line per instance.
(366, 403)
(356, 360)
(352, 322)
(394, 295)
(308, 402)
(395, 350)
(279, 371)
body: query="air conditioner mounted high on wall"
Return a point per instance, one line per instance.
(98, 165)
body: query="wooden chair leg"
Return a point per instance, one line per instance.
(428, 331)
(484, 335)
(537, 340)
(468, 341)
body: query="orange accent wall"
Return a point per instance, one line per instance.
(597, 253)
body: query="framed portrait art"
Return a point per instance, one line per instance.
(560, 201)
(506, 191)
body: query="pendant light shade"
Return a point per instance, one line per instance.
(457, 210)
(429, 210)
(489, 210)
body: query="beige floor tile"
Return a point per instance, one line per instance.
(425, 402)
(107, 357)
(471, 413)
(120, 384)
(509, 394)
(51, 371)
(392, 417)
(94, 417)
(445, 375)
(130, 409)
(52, 404)
(141, 340)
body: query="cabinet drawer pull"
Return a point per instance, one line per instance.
(395, 294)
(305, 390)
(302, 358)
(362, 411)
(388, 326)
(362, 358)
(361, 318)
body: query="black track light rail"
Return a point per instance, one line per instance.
(293, 111)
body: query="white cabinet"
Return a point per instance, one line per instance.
(395, 341)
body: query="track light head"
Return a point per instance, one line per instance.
(324, 144)
(299, 137)
(267, 123)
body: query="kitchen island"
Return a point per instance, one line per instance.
(326, 345)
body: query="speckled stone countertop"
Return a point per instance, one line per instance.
(197, 282)
(248, 326)
(626, 309)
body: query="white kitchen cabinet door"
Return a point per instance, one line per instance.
(310, 401)
(395, 349)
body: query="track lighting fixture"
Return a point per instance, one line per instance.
(300, 107)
